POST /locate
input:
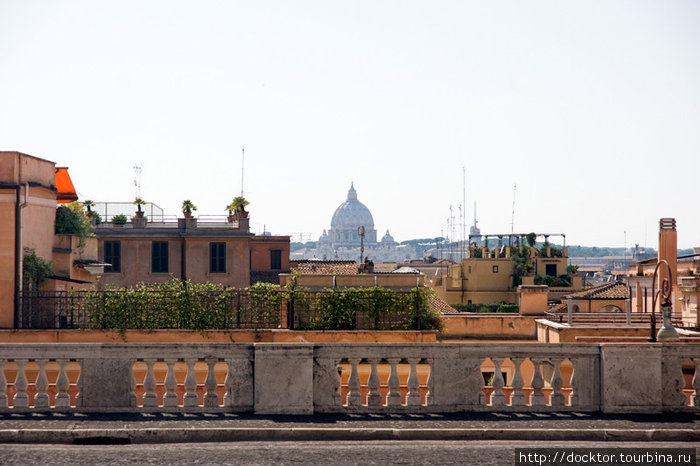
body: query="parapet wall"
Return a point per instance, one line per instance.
(293, 378)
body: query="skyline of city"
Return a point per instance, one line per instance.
(590, 108)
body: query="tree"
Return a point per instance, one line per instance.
(34, 269)
(531, 239)
(71, 220)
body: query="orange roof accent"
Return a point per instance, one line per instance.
(64, 186)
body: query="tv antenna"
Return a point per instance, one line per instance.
(137, 180)
(242, 167)
(512, 215)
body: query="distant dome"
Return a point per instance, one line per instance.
(352, 213)
(387, 238)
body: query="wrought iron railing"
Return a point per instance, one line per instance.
(231, 309)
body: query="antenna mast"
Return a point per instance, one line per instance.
(464, 203)
(242, 166)
(137, 180)
(512, 216)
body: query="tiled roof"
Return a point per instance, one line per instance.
(311, 267)
(614, 290)
(438, 303)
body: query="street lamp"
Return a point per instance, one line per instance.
(666, 332)
(361, 232)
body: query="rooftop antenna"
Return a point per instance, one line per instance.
(242, 167)
(461, 231)
(512, 216)
(464, 203)
(137, 180)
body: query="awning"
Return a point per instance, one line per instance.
(64, 186)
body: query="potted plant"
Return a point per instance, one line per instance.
(119, 220)
(139, 202)
(236, 209)
(88, 204)
(187, 208)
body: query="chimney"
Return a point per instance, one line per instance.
(668, 249)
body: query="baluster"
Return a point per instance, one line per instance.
(3, 386)
(374, 398)
(228, 385)
(170, 383)
(79, 386)
(695, 399)
(498, 398)
(336, 384)
(413, 398)
(41, 400)
(149, 383)
(557, 397)
(394, 398)
(537, 397)
(429, 395)
(211, 398)
(132, 394)
(191, 386)
(354, 397)
(573, 399)
(517, 398)
(62, 398)
(21, 400)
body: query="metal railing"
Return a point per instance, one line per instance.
(231, 309)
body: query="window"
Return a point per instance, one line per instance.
(159, 257)
(495, 269)
(275, 259)
(113, 255)
(217, 257)
(550, 270)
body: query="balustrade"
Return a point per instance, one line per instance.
(362, 378)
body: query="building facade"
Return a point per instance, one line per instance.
(31, 189)
(215, 252)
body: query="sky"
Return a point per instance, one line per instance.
(590, 108)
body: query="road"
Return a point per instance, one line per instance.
(336, 453)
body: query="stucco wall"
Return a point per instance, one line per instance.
(489, 326)
(136, 260)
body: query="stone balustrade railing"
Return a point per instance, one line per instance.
(274, 378)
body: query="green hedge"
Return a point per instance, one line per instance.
(488, 308)
(178, 304)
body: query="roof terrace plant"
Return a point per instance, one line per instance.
(139, 202)
(188, 207)
(238, 204)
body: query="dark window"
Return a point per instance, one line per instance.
(275, 259)
(217, 257)
(159, 257)
(113, 255)
(495, 269)
(550, 270)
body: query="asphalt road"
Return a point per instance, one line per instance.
(321, 453)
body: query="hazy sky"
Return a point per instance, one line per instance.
(591, 107)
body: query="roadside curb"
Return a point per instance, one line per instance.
(224, 434)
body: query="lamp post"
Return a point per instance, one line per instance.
(361, 232)
(666, 332)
